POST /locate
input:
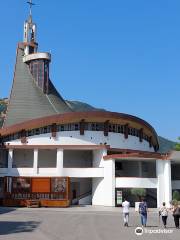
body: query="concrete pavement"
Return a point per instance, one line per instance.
(79, 223)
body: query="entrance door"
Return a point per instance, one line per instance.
(118, 197)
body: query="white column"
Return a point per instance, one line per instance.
(35, 163)
(98, 155)
(10, 161)
(103, 189)
(98, 183)
(59, 162)
(167, 182)
(160, 182)
(109, 182)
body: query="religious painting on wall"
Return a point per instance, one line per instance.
(21, 184)
(58, 185)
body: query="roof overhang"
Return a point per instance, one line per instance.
(57, 146)
(90, 116)
(137, 155)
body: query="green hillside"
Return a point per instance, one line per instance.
(165, 145)
(3, 108)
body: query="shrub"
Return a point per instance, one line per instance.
(138, 192)
(176, 196)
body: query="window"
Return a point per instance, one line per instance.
(76, 127)
(118, 166)
(93, 127)
(114, 128)
(3, 158)
(39, 70)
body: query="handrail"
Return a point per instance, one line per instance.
(83, 195)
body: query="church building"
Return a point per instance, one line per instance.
(58, 152)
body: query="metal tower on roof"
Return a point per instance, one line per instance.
(30, 32)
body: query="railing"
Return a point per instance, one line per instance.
(51, 196)
(76, 200)
(84, 195)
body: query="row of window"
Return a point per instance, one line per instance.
(116, 128)
(39, 70)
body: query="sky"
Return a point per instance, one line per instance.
(123, 56)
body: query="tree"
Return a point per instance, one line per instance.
(138, 192)
(177, 147)
(176, 196)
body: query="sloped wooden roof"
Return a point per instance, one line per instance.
(27, 101)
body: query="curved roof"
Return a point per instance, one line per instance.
(90, 116)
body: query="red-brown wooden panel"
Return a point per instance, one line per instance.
(41, 185)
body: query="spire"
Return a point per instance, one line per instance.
(30, 8)
(30, 32)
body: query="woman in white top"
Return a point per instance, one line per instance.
(164, 214)
(126, 206)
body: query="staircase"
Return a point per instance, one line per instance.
(79, 200)
(33, 203)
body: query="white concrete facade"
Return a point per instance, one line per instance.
(115, 140)
(103, 177)
(90, 164)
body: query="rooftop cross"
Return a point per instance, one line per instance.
(30, 6)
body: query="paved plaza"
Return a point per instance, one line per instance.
(78, 223)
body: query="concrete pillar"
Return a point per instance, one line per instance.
(98, 155)
(59, 162)
(164, 186)
(103, 189)
(160, 182)
(167, 182)
(35, 163)
(10, 161)
(98, 183)
(109, 182)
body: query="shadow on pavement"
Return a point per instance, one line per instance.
(7, 227)
(4, 210)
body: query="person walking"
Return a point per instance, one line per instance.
(176, 214)
(126, 206)
(143, 209)
(164, 214)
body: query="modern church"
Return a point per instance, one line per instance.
(55, 152)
